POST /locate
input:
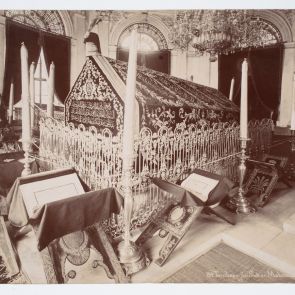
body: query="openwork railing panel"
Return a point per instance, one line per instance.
(97, 157)
(169, 154)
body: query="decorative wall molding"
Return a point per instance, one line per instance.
(289, 14)
(58, 22)
(69, 29)
(279, 21)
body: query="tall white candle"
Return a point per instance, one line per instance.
(26, 121)
(244, 101)
(50, 90)
(32, 92)
(11, 102)
(231, 91)
(293, 106)
(129, 104)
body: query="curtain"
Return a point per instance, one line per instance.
(56, 48)
(264, 79)
(15, 35)
(156, 60)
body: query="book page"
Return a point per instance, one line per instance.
(199, 185)
(38, 193)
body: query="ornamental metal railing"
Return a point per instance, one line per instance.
(169, 154)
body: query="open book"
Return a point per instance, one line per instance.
(199, 185)
(38, 193)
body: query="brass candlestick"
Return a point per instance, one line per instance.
(239, 203)
(26, 145)
(130, 255)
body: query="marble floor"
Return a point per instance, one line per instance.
(268, 235)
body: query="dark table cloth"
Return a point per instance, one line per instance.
(62, 217)
(17, 213)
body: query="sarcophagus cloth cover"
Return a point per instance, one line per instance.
(97, 98)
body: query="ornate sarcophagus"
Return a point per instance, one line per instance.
(97, 98)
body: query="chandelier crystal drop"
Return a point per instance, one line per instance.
(221, 31)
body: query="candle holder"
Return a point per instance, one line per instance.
(132, 258)
(239, 203)
(26, 145)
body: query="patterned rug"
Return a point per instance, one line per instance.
(6, 279)
(224, 264)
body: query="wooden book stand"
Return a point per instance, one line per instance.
(266, 173)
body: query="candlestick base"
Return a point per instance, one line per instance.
(239, 203)
(131, 257)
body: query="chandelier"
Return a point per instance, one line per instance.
(221, 31)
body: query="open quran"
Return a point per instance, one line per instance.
(38, 193)
(199, 185)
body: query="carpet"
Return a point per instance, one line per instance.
(5, 278)
(224, 264)
(9, 268)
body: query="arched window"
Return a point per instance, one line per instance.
(153, 50)
(37, 29)
(145, 43)
(261, 33)
(269, 33)
(150, 38)
(46, 20)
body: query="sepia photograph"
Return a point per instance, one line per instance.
(147, 145)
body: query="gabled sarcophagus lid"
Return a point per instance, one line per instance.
(97, 98)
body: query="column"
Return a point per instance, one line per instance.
(74, 67)
(77, 46)
(203, 71)
(113, 51)
(51, 90)
(102, 30)
(287, 85)
(179, 64)
(213, 73)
